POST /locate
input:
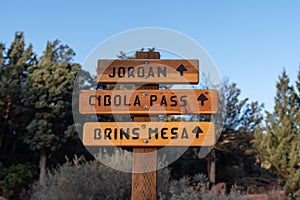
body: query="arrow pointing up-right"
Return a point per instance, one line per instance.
(197, 130)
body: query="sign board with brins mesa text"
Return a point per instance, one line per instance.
(141, 102)
(148, 71)
(147, 134)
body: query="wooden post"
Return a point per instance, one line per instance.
(144, 159)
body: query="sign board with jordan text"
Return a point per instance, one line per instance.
(141, 102)
(148, 71)
(141, 134)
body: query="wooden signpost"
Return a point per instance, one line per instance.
(145, 134)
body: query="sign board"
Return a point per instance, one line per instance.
(148, 71)
(141, 102)
(147, 134)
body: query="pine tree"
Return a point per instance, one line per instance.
(2, 94)
(2, 59)
(13, 74)
(279, 141)
(235, 154)
(49, 98)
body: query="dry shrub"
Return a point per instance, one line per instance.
(93, 180)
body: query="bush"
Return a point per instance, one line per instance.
(197, 188)
(15, 178)
(87, 181)
(93, 180)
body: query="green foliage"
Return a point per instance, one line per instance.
(2, 59)
(49, 98)
(234, 150)
(234, 153)
(13, 74)
(278, 141)
(15, 178)
(241, 115)
(200, 177)
(87, 181)
(36, 101)
(14, 63)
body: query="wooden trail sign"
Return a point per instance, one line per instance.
(141, 102)
(147, 134)
(148, 71)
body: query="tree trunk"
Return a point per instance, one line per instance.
(211, 167)
(1, 139)
(42, 165)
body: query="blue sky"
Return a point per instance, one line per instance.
(251, 42)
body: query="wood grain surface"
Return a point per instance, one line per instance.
(148, 71)
(149, 134)
(144, 102)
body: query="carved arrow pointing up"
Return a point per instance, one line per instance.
(202, 98)
(181, 69)
(197, 130)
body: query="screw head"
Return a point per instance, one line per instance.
(145, 94)
(145, 107)
(143, 126)
(147, 62)
(146, 141)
